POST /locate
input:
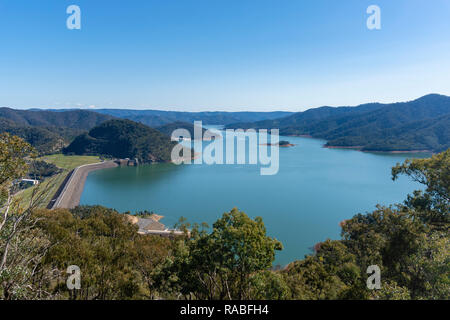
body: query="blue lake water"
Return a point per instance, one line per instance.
(314, 190)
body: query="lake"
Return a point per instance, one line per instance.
(314, 190)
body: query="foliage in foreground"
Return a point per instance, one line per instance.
(409, 242)
(223, 264)
(123, 139)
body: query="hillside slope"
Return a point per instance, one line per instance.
(75, 119)
(154, 118)
(48, 131)
(123, 138)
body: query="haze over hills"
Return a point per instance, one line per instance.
(51, 130)
(46, 130)
(171, 127)
(421, 124)
(74, 119)
(154, 118)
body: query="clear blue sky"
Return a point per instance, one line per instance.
(221, 54)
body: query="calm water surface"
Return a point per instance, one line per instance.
(314, 190)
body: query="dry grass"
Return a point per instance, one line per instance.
(49, 187)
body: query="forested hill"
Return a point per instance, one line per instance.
(48, 131)
(123, 138)
(171, 127)
(74, 119)
(422, 124)
(155, 118)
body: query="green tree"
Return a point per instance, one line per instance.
(268, 285)
(102, 243)
(409, 242)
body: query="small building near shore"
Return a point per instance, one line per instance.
(149, 224)
(30, 181)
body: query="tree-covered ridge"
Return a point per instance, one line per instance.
(169, 128)
(48, 131)
(75, 119)
(124, 139)
(422, 124)
(46, 140)
(156, 118)
(409, 242)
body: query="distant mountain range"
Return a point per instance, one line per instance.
(422, 124)
(73, 119)
(48, 131)
(155, 118)
(171, 127)
(51, 130)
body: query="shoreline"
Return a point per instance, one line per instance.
(71, 189)
(68, 194)
(359, 148)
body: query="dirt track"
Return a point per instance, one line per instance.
(73, 187)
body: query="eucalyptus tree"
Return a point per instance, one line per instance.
(222, 264)
(22, 244)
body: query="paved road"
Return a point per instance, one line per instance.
(73, 188)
